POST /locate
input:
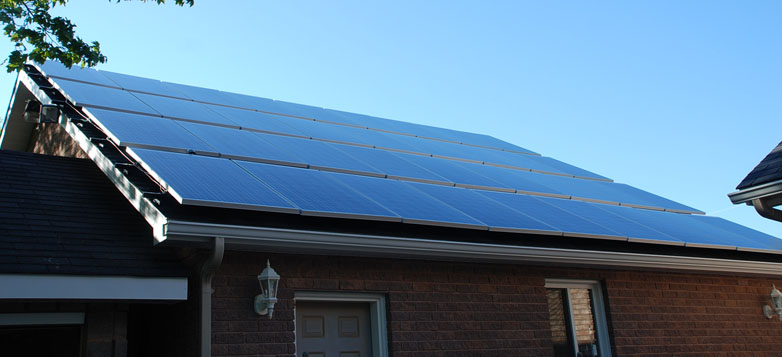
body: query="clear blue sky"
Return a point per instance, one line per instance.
(680, 98)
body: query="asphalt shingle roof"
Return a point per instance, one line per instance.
(768, 170)
(62, 215)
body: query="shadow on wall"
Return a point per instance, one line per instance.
(52, 139)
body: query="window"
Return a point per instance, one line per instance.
(577, 316)
(41, 334)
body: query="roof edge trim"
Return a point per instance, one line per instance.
(753, 192)
(287, 240)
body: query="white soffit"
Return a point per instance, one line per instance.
(25, 286)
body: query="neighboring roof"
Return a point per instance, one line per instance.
(763, 182)
(207, 149)
(63, 216)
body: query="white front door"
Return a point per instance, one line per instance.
(333, 329)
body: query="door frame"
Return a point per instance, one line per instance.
(377, 312)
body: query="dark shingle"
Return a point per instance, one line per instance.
(61, 215)
(769, 169)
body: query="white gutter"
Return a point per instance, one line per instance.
(313, 242)
(755, 192)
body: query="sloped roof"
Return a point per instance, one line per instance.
(62, 215)
(768, 170)
(207, 148)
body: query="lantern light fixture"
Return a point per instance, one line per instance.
(776, 304)
(269, 280)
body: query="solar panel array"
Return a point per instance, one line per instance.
(222, 149)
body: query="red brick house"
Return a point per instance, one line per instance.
(389, 238)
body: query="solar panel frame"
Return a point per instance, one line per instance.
(680, 226)
(143, 85)
(564, 221)
(243, 145)
(143, 131)
(408, 202)
(258, 121)
(90, 95)
(187, 110)
(56, 70)
(316, 194)
(321, 155)
(221, 182)
(455, 173)
(496, 216)
(391, 165)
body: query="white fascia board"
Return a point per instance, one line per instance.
(753, 192)
(313, 242)
(82, 287)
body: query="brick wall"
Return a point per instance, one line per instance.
(460, 309)
(52, 139)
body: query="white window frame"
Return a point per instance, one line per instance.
(377, 313)
(598, 309)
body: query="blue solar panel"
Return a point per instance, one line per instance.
(435, 147)
(408, 202)
(97, 96)
(318, 154)
(592, 212)
(649, 199)
(262, 104)
(538, 208)
(488, 141)
(452, 171)
(497, 216)
(209, 181)
(389, 164)
(680, 226)
(280, 107)
(207, 95)
(142, 130)
(143, 84)
(751, 237)
(316, 193)
(257, 120)
(560, 166)
(184, 109)
(337, 116)
(384, 140)
(372, 122)
(51, 68)
(326, 131)
(523, 181)
(241, 144)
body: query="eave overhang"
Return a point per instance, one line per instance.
(247, 238)
(755, 192)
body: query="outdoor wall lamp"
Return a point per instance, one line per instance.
(269, 280)
(776, 302)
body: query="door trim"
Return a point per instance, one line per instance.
(377, 312)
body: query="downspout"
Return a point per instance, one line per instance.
(208, 269)
(766, 210)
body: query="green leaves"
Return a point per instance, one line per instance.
(38, 36)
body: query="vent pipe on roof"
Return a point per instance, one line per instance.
(208, 269)
(765, 208)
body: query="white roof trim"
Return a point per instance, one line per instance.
(28, 286)
(313, 242)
